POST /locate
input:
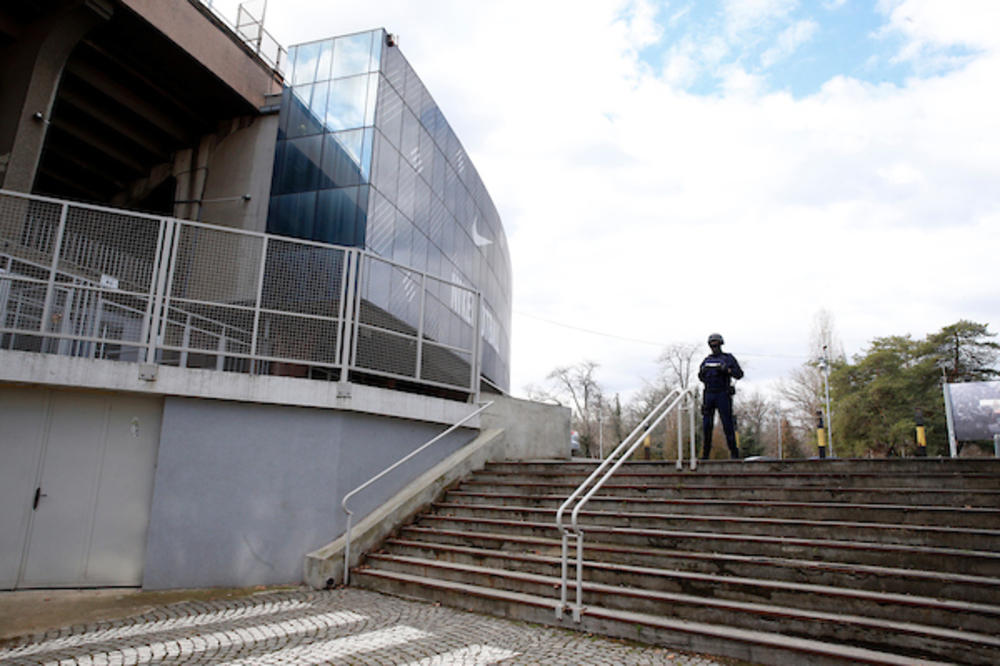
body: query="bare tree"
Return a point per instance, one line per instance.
(803, 390)
(578, 386)
(677, 363)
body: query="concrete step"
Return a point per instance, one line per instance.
(523, 554)
(897, 466)
(749, 646)
(916, 535)
(461, 584)
(960, 615)
(972, 517)
(885, 495)
(781, 479)
(972, 562)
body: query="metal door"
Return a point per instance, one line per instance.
(88, 507)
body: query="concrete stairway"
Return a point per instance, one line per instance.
(838, 561)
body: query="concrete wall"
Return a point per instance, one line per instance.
(243, 491)
(533, 430)
(242, 163)
(191, 28)
(53, 370)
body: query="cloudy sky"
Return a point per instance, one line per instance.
(666, 169)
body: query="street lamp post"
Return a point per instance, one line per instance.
(824, 365)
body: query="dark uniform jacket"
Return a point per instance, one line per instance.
(716, 370)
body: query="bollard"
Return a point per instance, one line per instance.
(921, 435)
(820, 434)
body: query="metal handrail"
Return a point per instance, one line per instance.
(343, 502)
(676, 397)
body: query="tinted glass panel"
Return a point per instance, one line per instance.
(341, 155)
(352, 54)
(337, 215)
(292, 215)
(347, 103)
(298, 170)
(302, 119)
(306, 62)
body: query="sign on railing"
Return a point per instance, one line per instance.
(97, 282)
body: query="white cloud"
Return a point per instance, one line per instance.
(744, 15)
(790, 39)
(929, 28)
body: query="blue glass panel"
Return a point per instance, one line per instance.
(352, 54)
(292, 215)
(302, 120)
(317, 103)
(325, 60)
(372, 99)
(297, 164)
(337, 214)
(306, 61)
(378, 41)
(341, 154)
(346, 108)
(366, 154)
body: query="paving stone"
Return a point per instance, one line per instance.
(344, 626)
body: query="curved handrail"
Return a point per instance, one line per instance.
(343, 502)
(615, 459)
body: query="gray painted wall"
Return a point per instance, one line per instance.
(275, 475)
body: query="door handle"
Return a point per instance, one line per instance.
(38, 495)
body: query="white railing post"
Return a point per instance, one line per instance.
(343, 312)
(692, 403)
(254, 333)
(163, 269)
(418, 369)
(674, 400)
(53, 268)
(477, 347)
(680, 439)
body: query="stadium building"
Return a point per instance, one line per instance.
(236, 281)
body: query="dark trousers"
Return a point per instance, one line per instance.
(722, 401)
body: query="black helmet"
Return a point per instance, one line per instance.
(715, 339)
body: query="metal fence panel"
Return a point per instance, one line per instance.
(103, 283)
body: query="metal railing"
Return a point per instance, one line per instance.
(250, 29)
(350, 514)
(677, 399)
(98, 282)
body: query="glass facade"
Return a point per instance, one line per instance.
(366, 158)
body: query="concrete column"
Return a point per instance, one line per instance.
(30, 71)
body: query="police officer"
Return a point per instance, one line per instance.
(716, 372)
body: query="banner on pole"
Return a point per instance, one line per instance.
(975, 410)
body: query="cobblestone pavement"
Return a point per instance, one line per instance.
(345, 626)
